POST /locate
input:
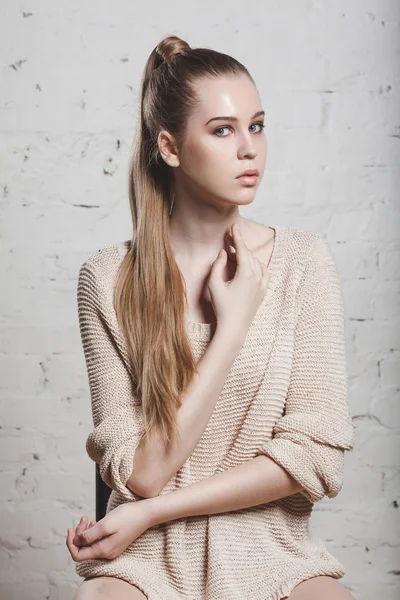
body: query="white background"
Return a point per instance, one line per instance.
(328, 75)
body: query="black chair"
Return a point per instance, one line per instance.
(102, 495)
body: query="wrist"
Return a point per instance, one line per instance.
(168, 507)
(155, 510)
(149, 512)
(233, 337)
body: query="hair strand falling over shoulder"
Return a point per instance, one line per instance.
(150, 292)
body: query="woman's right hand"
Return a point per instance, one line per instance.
(236, 302)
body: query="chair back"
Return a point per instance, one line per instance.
(102, 495)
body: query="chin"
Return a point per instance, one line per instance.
(240, 197)
(246, 201)
(243, 199)
(247, 193)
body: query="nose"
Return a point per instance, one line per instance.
(246, 147)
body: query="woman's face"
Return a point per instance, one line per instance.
(216, 151)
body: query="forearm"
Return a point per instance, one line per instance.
(152, 464)
(255, 482)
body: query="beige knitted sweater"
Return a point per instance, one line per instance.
(285, 396)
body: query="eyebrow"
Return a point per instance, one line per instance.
(257, 114)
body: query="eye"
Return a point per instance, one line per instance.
(220, 129)
(227, 127)
(260, 124)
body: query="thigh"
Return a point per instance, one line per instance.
(323, 586)
(108, 588)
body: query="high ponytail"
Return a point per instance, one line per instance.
(150, 294)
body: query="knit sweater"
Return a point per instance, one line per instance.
(285, 396)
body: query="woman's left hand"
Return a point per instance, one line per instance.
(111, 535)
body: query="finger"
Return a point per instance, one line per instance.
(242, 256)
(229, 239)
(89, 552)
(90, 524)
(82, 524)
(96, 550)
(230, 247)
(231, 252)
(71, 547)
(69, 533)
(89, 536)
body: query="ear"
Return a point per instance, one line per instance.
(167, 148)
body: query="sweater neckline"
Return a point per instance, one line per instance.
(204, 331)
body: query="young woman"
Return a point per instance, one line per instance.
(216, 362)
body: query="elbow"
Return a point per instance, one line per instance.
(327, 476)
(318, 468)
(335, 484)
(324, 488)
(153, 489)
(117, 473)
(152, 493)
(121, 470)
(330, 471)
(147, 475)
(142, 486)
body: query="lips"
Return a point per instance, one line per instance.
(249, 173)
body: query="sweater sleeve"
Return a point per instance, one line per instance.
(116, 413)
(310, 438)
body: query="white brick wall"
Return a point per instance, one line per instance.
(329, 79)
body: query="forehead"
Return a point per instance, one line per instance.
(234, 95)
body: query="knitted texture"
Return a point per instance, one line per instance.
(285, 396)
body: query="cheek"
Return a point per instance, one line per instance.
(263, 146)
(206, 157)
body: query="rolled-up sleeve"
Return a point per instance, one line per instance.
(316, 428)
(116, 412)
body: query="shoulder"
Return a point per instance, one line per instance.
(305, 241)
(296, 243)
(106, 259)
(101, 267)
(97, 274)
(305, 247)
(306, 263)
(311, 264)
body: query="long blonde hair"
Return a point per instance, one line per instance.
(150, 293)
